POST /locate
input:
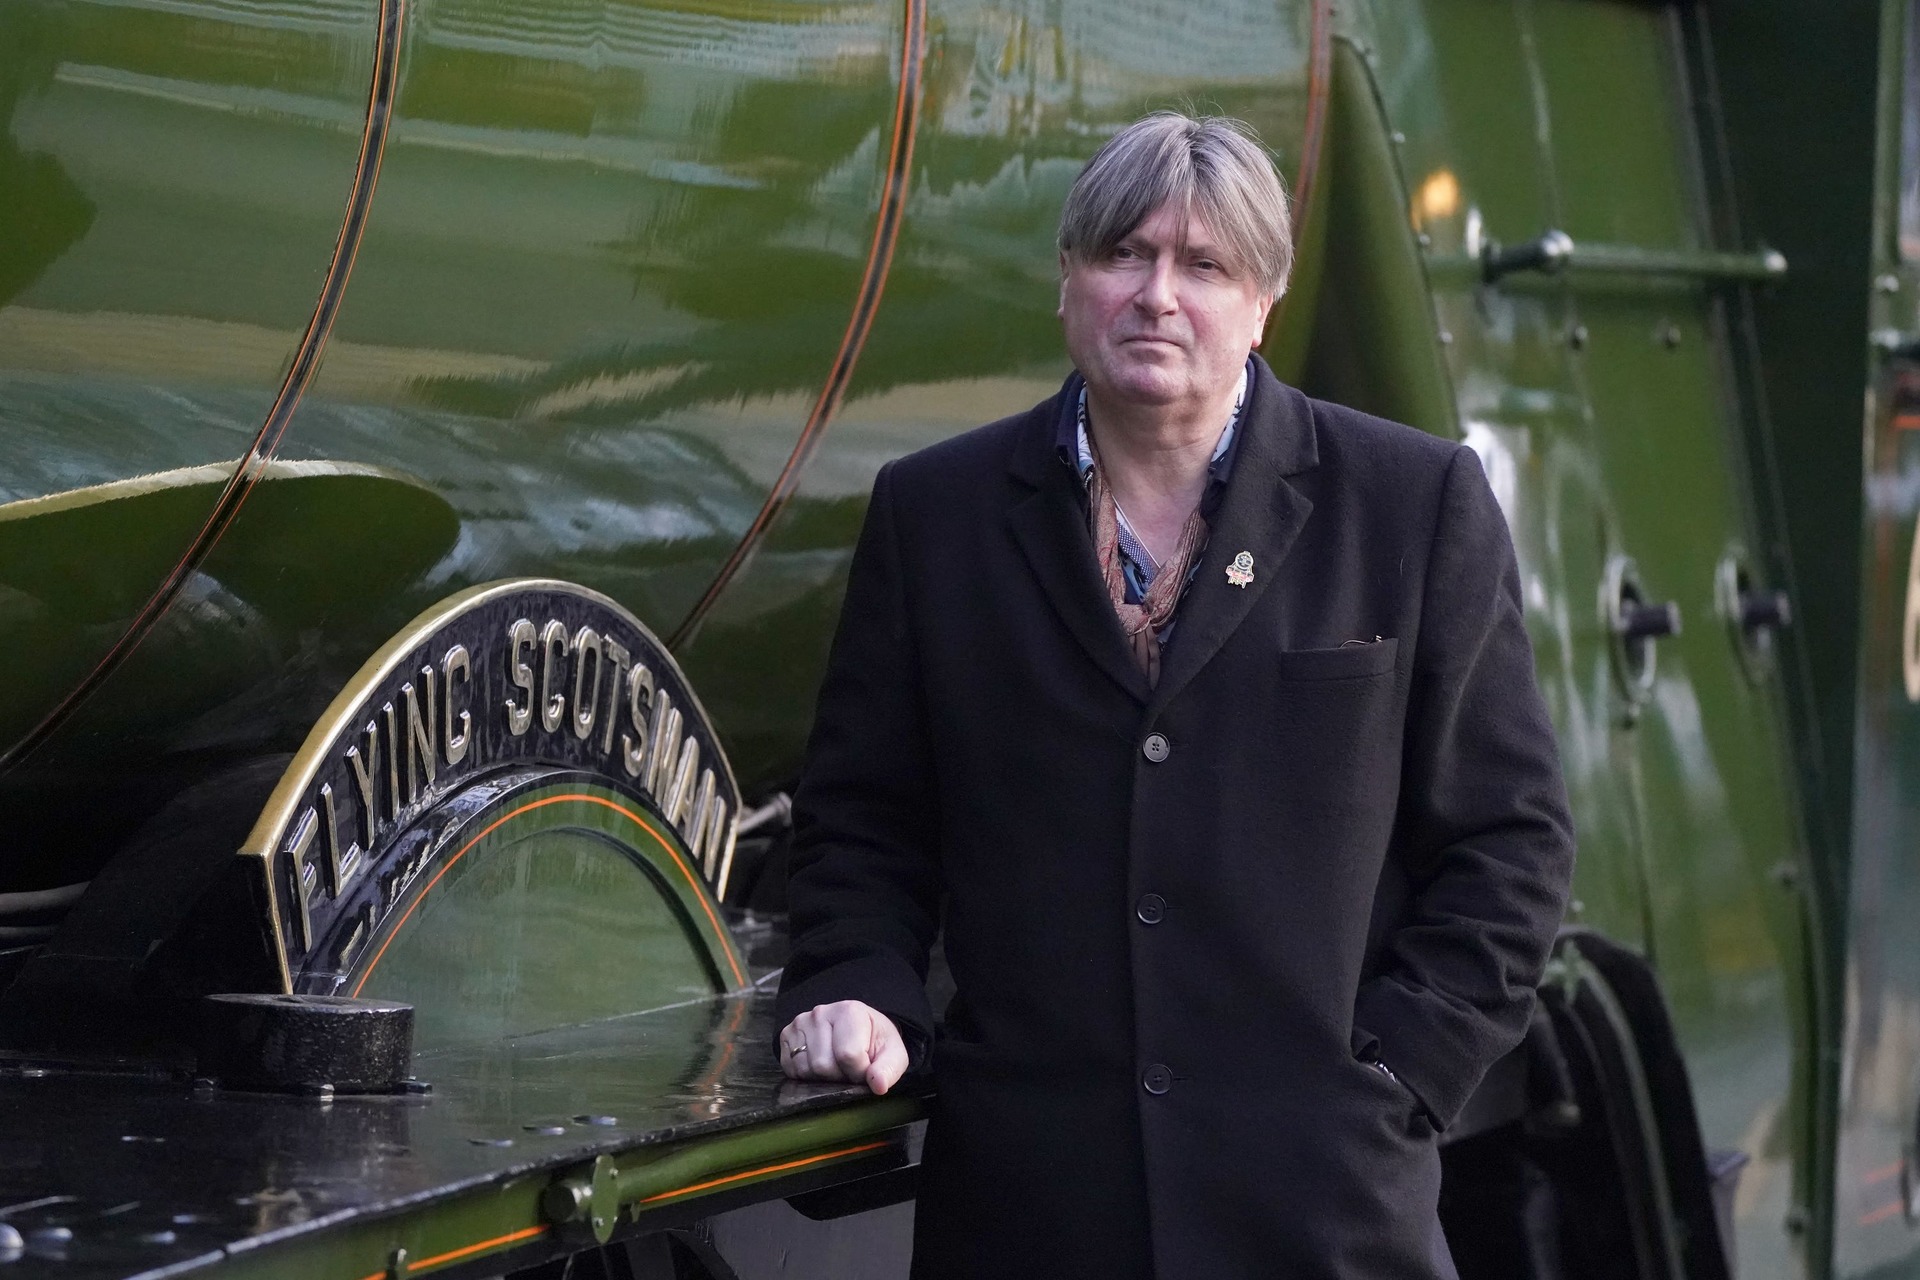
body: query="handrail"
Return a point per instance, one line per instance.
(1555, 252)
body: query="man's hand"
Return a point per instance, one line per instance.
(846, 1040)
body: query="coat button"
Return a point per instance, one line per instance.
(1155, 747)
(1152, 909)
(1157, 1080)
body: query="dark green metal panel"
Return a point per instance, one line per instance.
(1375, 343)
(1458, 90)
(1599, 401)
(1722, 837)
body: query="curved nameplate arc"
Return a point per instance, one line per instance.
(507, 686)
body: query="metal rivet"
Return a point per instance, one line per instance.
(550, 1130)
(1577, 337)
(1398, 137)
(1446, 337)
(318, 1092)
(1888, 283)
(416, 1086)
(10, 1241)
(605, 1122)
(158, 1237)
(491, 1142)
(1668, 334)
(41, 1237)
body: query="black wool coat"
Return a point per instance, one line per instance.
(1174, 965)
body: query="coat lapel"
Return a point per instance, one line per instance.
(1260, 513)
(1051, 527)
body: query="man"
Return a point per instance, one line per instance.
(1202, 716)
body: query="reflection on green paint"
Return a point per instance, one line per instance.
(538, 929)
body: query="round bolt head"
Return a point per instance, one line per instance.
(45, 1237)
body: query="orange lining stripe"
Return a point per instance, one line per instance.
(1883, 1173)
(772, 1168)
(453, 1254)
(527, 1233)
(726, 940)
(1881, 1214)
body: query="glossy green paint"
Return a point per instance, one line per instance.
(564, 909)
(1375, 343)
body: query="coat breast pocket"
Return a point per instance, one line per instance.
(1343, 662)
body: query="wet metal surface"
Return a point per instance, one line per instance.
(111, 1176)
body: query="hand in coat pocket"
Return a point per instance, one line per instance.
(846, 1040)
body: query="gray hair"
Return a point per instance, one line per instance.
(1213, 166)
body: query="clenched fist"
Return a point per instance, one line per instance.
(845, 1040)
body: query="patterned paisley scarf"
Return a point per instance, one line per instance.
(1141, 622)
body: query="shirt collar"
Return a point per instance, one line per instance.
(1071, 434)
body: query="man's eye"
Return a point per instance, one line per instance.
(1206, 264)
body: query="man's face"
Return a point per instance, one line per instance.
(1156, 322)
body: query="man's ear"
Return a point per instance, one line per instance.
(1060, 311)
(1260, 324)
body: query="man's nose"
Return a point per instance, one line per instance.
(1158, 294)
